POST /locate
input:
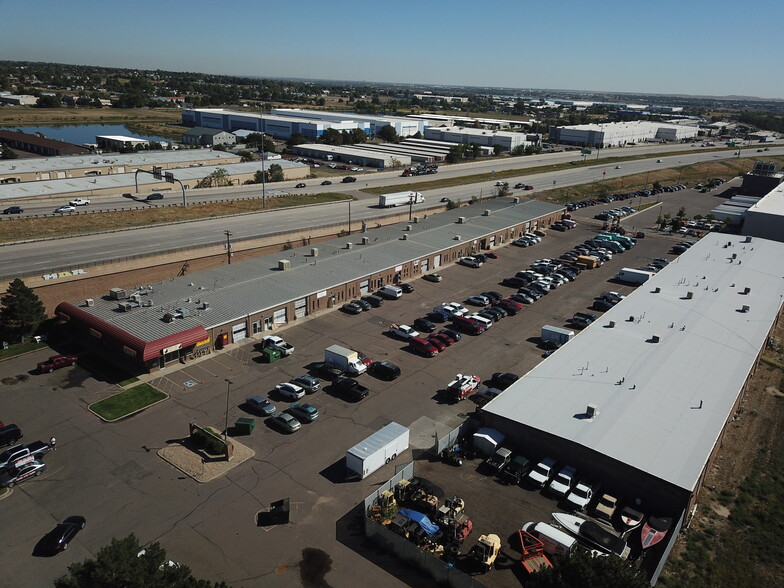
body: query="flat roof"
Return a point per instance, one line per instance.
(771, 203)
(134, 160)
(124, 182)
(240, 289)
(661, 405)
(121, 138)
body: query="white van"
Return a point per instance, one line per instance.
(555, 542)
(485, 321)
(391, 292)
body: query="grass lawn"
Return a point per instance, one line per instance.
(20, 348)
(127, 402)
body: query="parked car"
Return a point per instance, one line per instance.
(364, 304)
(384, 370)
(438, 316)
(605, 508)
(450, 333)
(285, 422)
(493, 295)
(350, 388)
(11, 477)
(351, 308)
(424, 325)
(432, 277)
(260, 405)
(64, 209)
(10, 434)
(290, 391)
(303, 412)
(308, 383)
(601, 305)
(478, 300)
(56, 362)
(57, 539)
(563, 481)
(435, 341)
(470, 262)
(443, 338)
(373, 300)
(403, 331)
(542, 472)
(407, 288)
(582, 494)
(13, 210)
(503, 380)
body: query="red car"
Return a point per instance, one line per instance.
(491, 255)
(444, 338)
(364, 358)
(56, 362)
(436, 342)
(510, 305)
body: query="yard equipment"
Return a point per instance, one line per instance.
(485, 551)
(533, 558)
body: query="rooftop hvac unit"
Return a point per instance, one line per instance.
(744, 308)
(486, 212)
(365, 240)
(118, 294)
(314, 251)
(404, 237)
(284, 264)
(747, 239)
(689, 295)
(611, 325)
(458, 237)
(591, 411)
(655, 339)
(205, 305)
(136, 297)
(461, 220)
(746, 290)
(656, 290)
(89, 302)
(734, 256)
(408, 228)
(148, 303)
(349, 245)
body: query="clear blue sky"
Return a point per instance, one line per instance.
(713, 47)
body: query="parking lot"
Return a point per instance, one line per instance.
(110, 473)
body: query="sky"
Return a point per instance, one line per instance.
(695, 47)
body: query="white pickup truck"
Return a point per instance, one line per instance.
(79, 202)
(275, 342)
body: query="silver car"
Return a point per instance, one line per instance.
(285, 422)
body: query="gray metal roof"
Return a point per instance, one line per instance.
(237, 290)
(376, 441)
(135, 160)
(663, 405)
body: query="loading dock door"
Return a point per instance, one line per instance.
(239, 332)
(300, 308)
(364, 287)
(436, 261)
(279, 317)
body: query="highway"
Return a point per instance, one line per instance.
(43, 257)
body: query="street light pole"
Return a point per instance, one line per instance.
(228, 389)
(349, 215)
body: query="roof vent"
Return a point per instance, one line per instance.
(734, 255)
(314, 251)
(655, 338)
(404, 237)
(284, 264)
(349, 245)
(591, 411)
(747, 239)
(744, 308)
(408, 228)
(205, 305)
(461, 220)
(746, 290)
(656, 290)
(689, 295)
(416, 220)
(515, 200)
(365, 240)
(458, 237)
(89, 302)
(486, 212)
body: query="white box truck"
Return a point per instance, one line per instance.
(377, 450)
(344, 359)
(633, 276)
(557, 334)
(400, 199)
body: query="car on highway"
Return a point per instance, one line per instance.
(260, 405)
(13, 210)
(64, 209)
(301, 185)
(57, 539)
(432, 277)
(326, 183)
(285, 422)
(290, 391)
(308, 383)
(11, 477)
(349, 179)
(79, 202)
(155, 196)
(303, 412)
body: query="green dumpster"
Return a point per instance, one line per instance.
(271, 355)
(244, 426)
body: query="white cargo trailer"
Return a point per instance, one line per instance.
(557, 334)
(377, 450)
(400, 199)
(633, 276)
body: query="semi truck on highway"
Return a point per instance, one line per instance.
(400, 199)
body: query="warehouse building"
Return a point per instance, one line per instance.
(506, 139)
(40, 145)
(371, 123)
(621, 133)
(150, 326)
(353, 154)
(36, 169)
(119, 142)
(639, 401)
(765, 219)
(208, 137)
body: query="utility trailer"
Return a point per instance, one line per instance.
(377, 450)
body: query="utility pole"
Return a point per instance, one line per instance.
(349, 214)
(228, 390)
(228, 244)
(263, 172)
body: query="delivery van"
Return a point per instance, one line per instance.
(555, 542)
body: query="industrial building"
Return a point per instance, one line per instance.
(119, 142)
(150, 326)
(353, 154)
(506, 139)
(92, 186)
(36, 169)
(765, 218)
(18, 99)
(371, 123)
(756, 195)
(621, 133)
(639, 401)
(40, 145)
(208, 137)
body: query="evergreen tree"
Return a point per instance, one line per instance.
(21, 311)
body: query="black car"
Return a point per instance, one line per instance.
(349, 179)
(514, 282)
(58, 539)
(437, 317)
(13, 210)
(326, 183)
(407, 288)
(155, 196)
(424, 325)
(10, 434)
(326, 372)
(503, 380)
(450, 333)
(349, 387)
(492, 295)
(300, 185)
(365, 304)
(384, 370)
(601, 305)
(549, 345)
(373, 300)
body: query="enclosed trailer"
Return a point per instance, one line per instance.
(377, 450)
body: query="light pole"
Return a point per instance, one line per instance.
(228, 390)
(349, 214)
(263, 172)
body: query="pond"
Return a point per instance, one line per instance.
(81, 134)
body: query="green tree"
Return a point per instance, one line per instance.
(681, 212)
(497, 150)
(331, 137)
(220, 177)
(296, 139)
(8, 153)
(358, 136)
(388, 134)
(276, 173)
(583, 569)
(21, 311)
(119, 564)
(48, 102)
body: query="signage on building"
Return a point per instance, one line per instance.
(167, 350)
(203, 342)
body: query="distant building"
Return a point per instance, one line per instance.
(508, 140)
(40, 145)
(620, 133)
(208, 137)
(119, 142)
(18, 99)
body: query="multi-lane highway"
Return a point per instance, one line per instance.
(43, 257)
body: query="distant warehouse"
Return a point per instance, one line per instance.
(620, 133)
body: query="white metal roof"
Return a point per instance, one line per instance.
(661, 405)
(772, 203)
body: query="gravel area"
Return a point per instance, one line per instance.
(198, 464)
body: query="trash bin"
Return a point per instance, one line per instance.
(271, 355)
(244, 426)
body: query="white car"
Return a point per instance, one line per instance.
(403, 331)
(79, 202)
(582, 494)
(453, 309)
(542, 472)
(563, 481)
(479, 300)
(290, 391)
(471, 262)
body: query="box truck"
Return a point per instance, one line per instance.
(380, 448)
(557, 334)
(344, 359)
(400, 199)
(633, 276)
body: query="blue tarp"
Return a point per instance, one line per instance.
(427, 525)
